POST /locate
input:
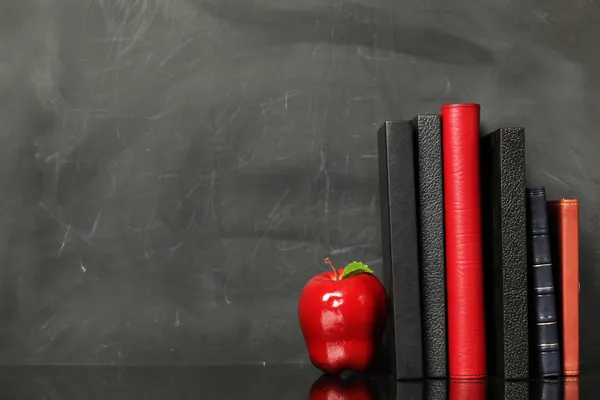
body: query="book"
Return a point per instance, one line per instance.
(403, 339)
(545, 350)
(464, 259)
(505, 252)
(430, 200)
(564, 235)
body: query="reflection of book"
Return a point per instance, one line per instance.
(571, 388)
(430, 389)
(468, 389)
(500, 389)
(408, 390)
(546, 390)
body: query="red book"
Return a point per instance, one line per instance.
(464, 254)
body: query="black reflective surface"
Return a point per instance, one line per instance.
(268, 382)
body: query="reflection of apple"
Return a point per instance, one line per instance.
(342, 314)
(332, 387)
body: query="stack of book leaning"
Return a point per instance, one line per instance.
(481, 268)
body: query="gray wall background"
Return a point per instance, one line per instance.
(173, 171)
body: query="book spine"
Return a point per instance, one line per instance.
(505, 236)
(545, 342)
(428, 138)
(565, 221)
(400, 248)
(464, 262)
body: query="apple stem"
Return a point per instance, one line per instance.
(335, 274)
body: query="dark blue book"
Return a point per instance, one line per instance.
(545, 346)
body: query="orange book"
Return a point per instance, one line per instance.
(564, 216)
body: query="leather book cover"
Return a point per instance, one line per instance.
(564, 234)
(430, 194)
(403, 340)
(545, 350)
(505, 255)
(464, 259)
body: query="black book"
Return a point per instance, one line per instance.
(430, 200)
(544, 328)
(403, 339)
(505, 252)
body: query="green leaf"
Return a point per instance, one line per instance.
(355, 268)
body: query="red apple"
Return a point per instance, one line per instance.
(331, 387)
(342, 316)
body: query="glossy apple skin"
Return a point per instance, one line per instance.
(331, 387)
(342, 321)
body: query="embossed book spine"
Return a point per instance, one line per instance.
(564, 234)
(505, 255)
(430, 196)
(400, 248)
(545, 350)
(464, 260)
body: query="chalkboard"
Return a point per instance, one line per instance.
(173, 171)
